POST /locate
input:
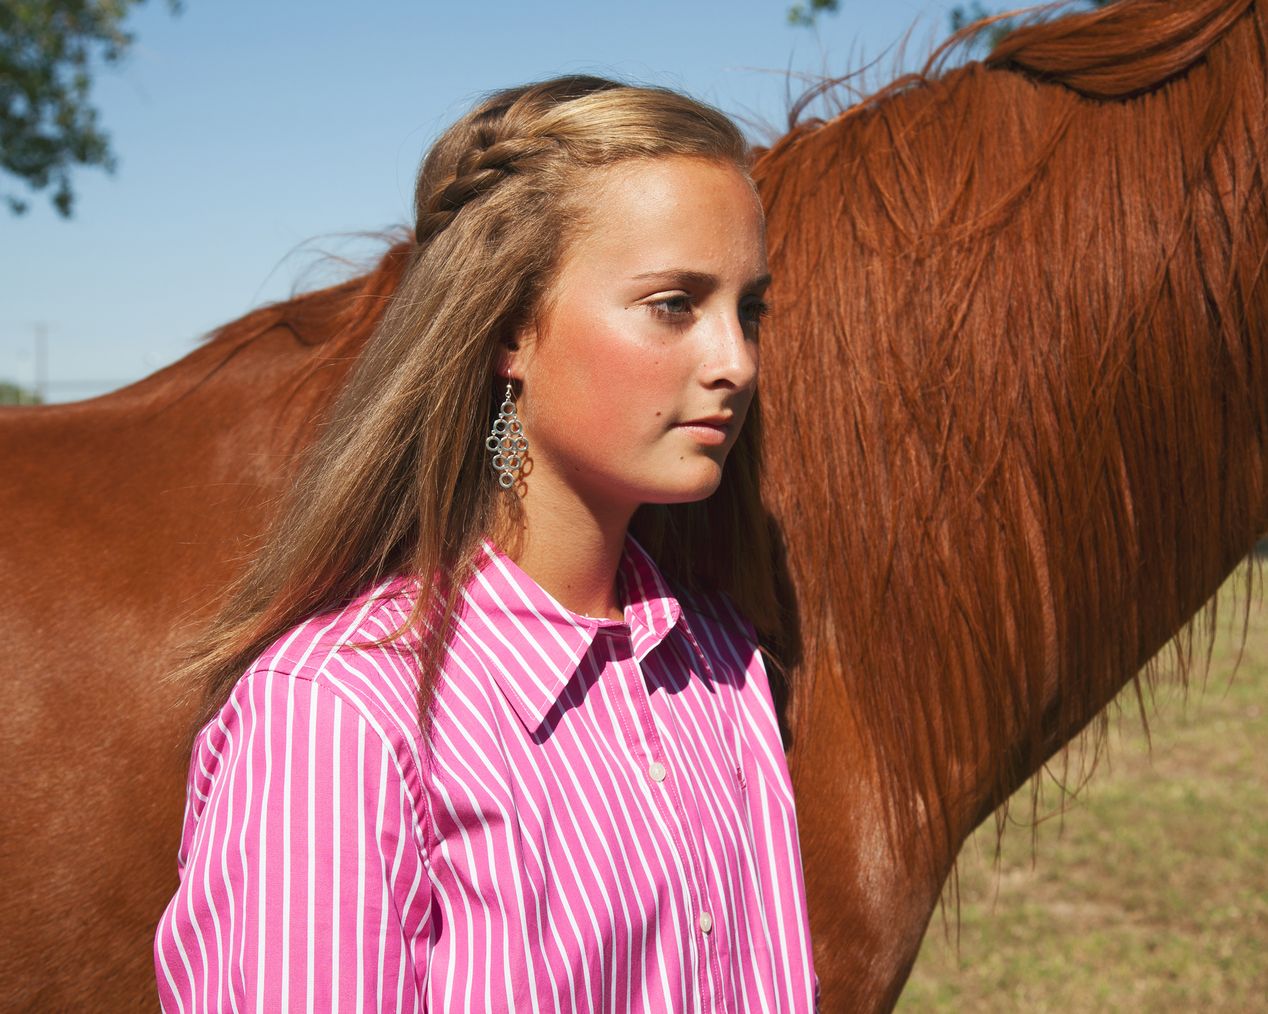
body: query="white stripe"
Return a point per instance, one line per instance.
(311, 886)
(203, 832)
(242, 848)
(287, 812)
(227, 969)
(162, 956)
(360, 867)
(385, 902)
(336, 866)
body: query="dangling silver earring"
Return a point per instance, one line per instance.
(506, 442)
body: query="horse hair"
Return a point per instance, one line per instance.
(1039, 282)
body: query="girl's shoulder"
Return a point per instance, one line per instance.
(320, 699)
(334, 651)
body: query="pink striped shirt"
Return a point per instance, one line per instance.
(602, 818)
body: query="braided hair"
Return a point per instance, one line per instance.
(501, 136)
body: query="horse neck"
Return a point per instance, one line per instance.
(1030, 441)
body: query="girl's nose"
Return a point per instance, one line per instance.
(733, 353)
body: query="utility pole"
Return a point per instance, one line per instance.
(41, 362)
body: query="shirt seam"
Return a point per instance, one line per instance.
(422, 815)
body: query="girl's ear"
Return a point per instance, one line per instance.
(512, 353)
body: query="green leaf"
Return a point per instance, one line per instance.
(50, 51)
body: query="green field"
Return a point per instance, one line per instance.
(1151, 893)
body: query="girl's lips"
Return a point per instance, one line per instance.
(706, 433)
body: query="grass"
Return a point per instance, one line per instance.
(1151, 893)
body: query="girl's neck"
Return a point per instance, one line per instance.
(574, 555)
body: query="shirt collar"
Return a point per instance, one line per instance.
(536, 643)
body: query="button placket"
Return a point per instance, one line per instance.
(626, 673)
(676, 814)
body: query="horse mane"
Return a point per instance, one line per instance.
(1120, 50)
(1058, 247)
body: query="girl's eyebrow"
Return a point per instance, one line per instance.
(699, 278)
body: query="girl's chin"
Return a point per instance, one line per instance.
(691, 489)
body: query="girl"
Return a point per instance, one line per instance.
(486, 723)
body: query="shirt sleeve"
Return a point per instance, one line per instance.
(303, 881)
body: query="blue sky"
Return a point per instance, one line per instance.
(253, 136)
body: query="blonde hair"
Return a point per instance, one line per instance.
(397, 479)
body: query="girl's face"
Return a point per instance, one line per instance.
(654, 324)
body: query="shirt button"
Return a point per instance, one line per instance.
(657, 771)
(706, 922)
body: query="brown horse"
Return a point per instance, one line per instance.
(1014, 392)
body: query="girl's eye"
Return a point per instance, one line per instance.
(677, 308)
(673, 308)
(757, 310)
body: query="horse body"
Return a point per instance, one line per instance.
(1014, 398)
